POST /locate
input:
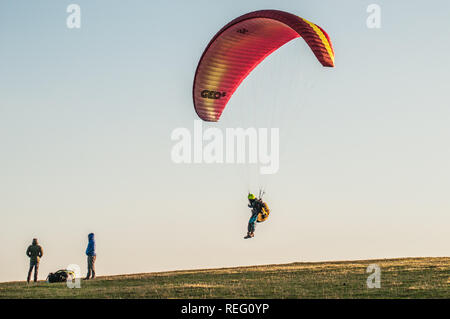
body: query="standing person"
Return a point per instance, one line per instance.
(35, 253)
(91, 255)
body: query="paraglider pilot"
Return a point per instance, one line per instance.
(256, 205)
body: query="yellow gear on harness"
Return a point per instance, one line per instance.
(264, 214)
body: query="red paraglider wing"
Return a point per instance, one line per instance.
(240, 46)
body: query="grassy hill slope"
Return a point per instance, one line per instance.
(400, 278)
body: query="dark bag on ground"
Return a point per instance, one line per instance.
(60, 276)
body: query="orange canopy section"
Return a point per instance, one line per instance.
(240, 46)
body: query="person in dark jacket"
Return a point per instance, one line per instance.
(91, 256)
(35, 253)
(256, 205)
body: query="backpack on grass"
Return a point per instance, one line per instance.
(60, 276)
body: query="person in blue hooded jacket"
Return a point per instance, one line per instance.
(91, 256)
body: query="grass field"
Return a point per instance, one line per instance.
(400, 278)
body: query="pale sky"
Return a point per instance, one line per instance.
(86, 117)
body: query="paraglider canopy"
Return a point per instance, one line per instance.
(240, 46)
